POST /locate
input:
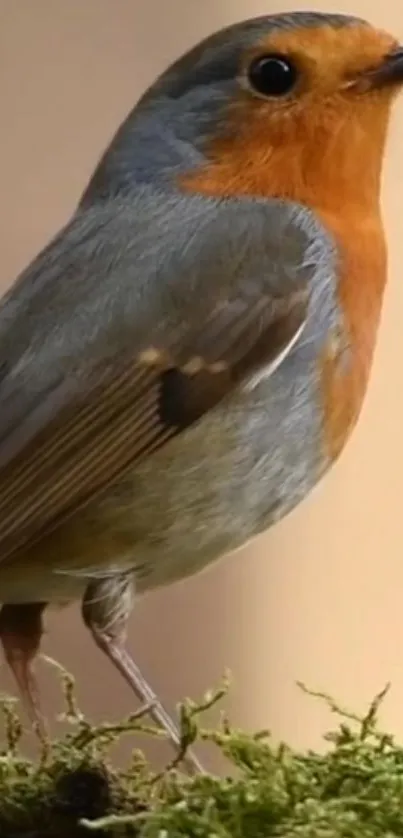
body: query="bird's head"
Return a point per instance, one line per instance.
(292, 106)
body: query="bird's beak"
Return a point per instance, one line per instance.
(387, 74)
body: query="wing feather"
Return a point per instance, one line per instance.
(75, 422)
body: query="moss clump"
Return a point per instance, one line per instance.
(354, 789)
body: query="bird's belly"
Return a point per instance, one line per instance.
(206, 494)
(235, 477)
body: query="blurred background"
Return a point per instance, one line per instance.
(320, 597)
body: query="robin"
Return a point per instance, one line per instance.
(187, 358)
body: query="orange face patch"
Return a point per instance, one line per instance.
(310, 145)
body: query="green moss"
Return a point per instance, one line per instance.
(353, 789)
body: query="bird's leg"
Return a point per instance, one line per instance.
(21, 631)
(106, 608)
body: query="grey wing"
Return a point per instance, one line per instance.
(137, 319)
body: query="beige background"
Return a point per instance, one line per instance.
(320, 597)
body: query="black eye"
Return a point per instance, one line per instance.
(272, 75)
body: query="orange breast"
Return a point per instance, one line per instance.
(362, 278)
(358, 231)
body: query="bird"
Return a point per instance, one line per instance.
(188, 356)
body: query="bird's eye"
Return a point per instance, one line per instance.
(272, 75)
